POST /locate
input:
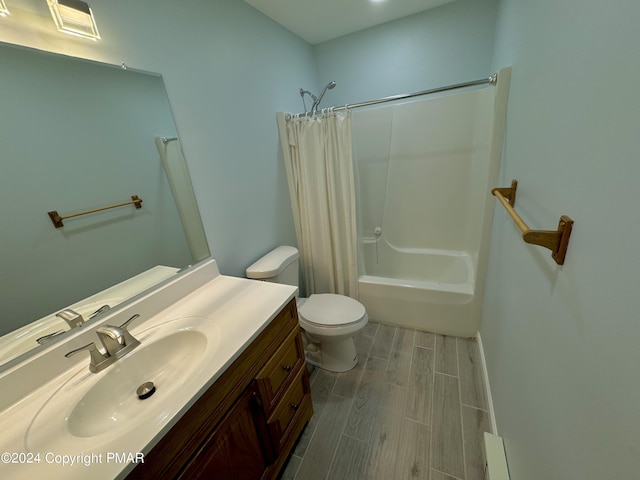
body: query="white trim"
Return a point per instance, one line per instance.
(485, 376)
(495, 457)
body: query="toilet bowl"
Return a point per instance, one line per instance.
(328, 321)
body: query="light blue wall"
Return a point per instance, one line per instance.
(71, 147)
(561, 343)
(449, 44)
(227, 69)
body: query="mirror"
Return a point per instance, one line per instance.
(77, 135)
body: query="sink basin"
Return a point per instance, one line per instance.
(104, 405)
(112, 402)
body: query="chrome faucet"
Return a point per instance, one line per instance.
(117, 342)
(73, 319)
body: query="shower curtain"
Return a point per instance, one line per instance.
(318, 159)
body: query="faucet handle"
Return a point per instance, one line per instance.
(102, 309)
(126, 324)
(45, 338)
(129, 340)
(97, 358)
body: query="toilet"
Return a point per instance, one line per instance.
(329, 321)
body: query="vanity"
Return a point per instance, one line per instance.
(245, 425)
(231, 389)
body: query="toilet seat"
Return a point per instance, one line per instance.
(328, 310)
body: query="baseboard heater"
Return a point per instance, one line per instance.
(495, 467)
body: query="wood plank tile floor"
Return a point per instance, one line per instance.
(413, 408)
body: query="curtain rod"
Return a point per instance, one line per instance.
(491, 80)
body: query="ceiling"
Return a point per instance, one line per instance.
(317, 21)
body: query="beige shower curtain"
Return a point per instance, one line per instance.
(318, 160)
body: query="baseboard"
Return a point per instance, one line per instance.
(485, 376)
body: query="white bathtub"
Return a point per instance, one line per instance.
(431, 290)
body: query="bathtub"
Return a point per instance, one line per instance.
(425, 289)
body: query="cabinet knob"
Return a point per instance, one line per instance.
(294, 406)
(256, 401)
(286, 368)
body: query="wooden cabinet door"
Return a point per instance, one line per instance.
(234, 451)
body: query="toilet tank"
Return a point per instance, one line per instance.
(279, 266)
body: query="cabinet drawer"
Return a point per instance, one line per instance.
(280, 370)
(293, 402)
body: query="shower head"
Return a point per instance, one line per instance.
(329, 86)
(317, 101)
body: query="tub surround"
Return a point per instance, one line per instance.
(426, 207)
(241, 310)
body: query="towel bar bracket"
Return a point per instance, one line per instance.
(564, 230)
(555, 240)
(508, 192)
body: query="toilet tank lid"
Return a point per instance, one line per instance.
(273, 263)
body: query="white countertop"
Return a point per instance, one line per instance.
(240, 309)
